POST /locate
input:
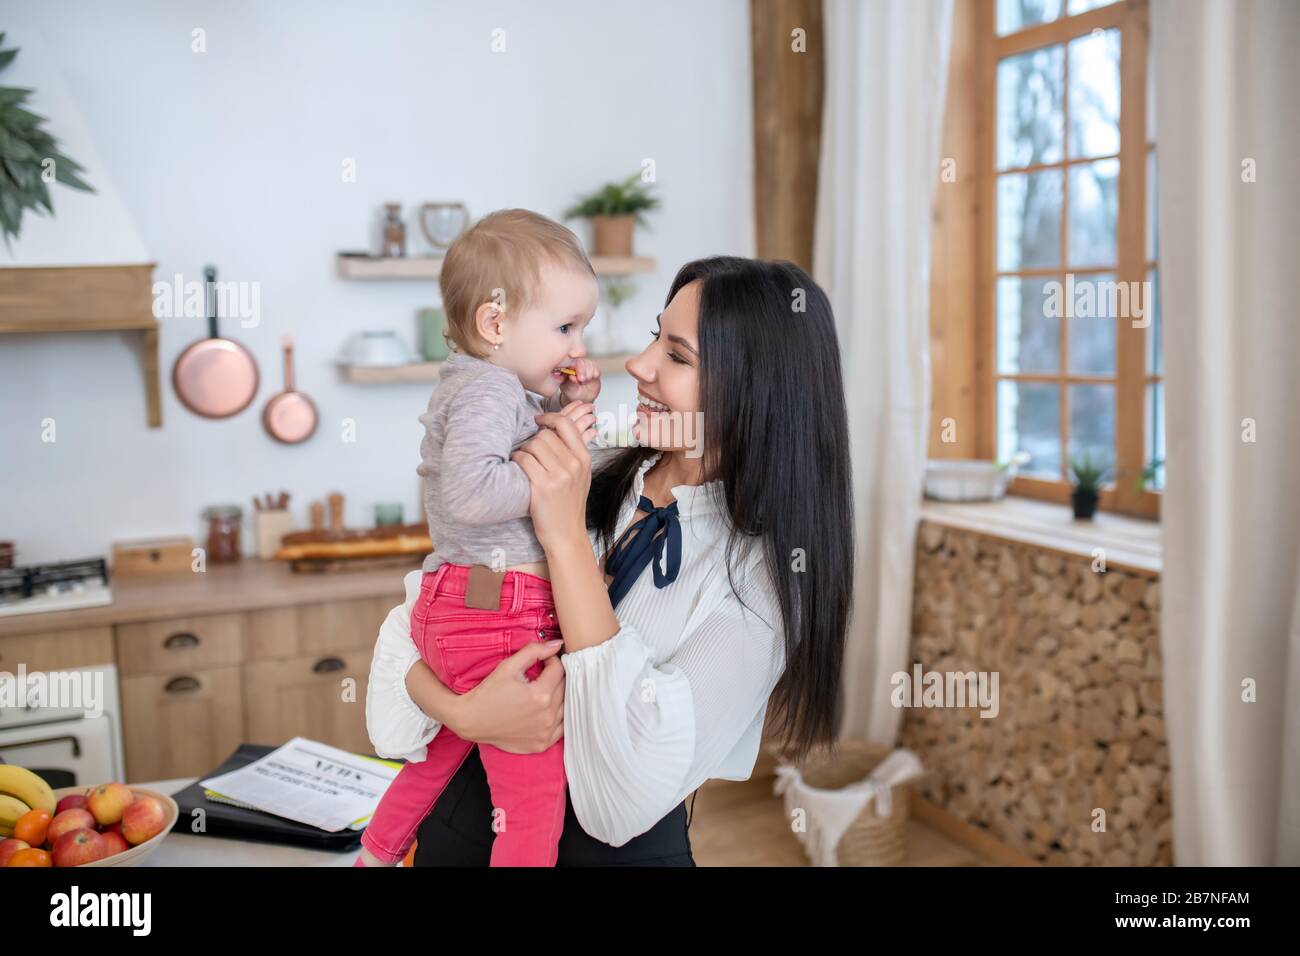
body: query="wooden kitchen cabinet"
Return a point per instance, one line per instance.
(175, 644)
(57, 650)
(181, 725)
(243, 653)
(320, 628)
(321, 696)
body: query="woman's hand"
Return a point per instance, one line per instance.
(558, 467)
(507, 710)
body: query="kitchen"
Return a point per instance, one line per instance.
(115, 466)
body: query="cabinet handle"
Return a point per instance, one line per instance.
(327, 664)
(76, 744)
(179, 685)
(180, 640)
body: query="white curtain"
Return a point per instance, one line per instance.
(1227, 141)
(886, 73)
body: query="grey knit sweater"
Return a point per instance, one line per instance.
(475, 498)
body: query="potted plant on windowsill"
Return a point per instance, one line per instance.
(614, 211)
(1088, 478)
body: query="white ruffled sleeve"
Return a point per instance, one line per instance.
(396, 725)
(640, 735)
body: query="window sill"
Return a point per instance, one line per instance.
(1129, 544)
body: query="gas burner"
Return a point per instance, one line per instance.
(62, 586)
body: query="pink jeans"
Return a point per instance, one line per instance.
(462, 645)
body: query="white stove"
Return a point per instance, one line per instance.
(64, 586)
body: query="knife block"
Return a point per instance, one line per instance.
(269, 528)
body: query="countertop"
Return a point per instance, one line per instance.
(245, 585)
(187, 849)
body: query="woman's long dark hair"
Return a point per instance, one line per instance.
(776, 434)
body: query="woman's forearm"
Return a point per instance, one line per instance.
(581, 598)
(431, 695)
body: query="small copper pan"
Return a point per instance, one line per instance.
(215, 377)
(290, 416)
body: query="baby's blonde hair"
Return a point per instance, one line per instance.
(499, 259)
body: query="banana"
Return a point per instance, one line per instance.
(22, 784)
(6, 832)
(11, 808)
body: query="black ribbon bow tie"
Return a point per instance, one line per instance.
(644, 544)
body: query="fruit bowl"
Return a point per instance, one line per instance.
(134, 855)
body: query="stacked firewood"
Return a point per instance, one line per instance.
(1078, 742)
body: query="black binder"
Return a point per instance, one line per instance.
(223, 820)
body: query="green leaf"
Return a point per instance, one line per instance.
(25, 145)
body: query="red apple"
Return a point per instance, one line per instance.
(107, 801)
(9, 847)
(114, 842)
(66, 822)
(112, 828)
(78, 847)
(73, 801)
(142, 819)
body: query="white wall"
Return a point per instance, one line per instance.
(234, 156)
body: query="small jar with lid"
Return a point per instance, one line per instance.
(223, 532)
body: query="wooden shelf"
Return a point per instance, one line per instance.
(359, 266)
(428, 371)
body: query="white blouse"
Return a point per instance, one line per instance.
(676, 697)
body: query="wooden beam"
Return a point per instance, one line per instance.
(954, 317)
(789, 83)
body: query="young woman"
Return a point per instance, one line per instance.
(692, 576)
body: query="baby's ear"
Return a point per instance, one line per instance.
(489, 319)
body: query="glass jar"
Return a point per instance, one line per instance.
(223, 532)
(388, 513)
(394, 231)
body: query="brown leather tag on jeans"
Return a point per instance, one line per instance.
(483, 589)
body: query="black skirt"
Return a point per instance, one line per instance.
(458, 831)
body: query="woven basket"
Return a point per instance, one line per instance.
(871, 840)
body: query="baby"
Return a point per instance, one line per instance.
(518, 292)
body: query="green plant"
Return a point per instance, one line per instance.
(29, 157)
(617, 290)
(1088, 476)
(631, 197)
(1149, 473)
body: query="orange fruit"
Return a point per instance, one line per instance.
(31, 826)
(31, 857)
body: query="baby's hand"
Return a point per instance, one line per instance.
(582, 414)
(585, 386)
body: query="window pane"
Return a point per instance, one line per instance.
(1094, 206)
(1092, 423)
(1094, 300)
(1083, 6)
(1155, 437)
(1028, 337)
(1029, 420)
(1030, 120)
(1015, 15)
(1029, 220)
(1094, 95)
(1155, 334)
(1153, 220)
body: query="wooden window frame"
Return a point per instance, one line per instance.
(1132, 19)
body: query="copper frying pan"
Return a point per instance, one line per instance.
(290, 416)
(215, 377)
